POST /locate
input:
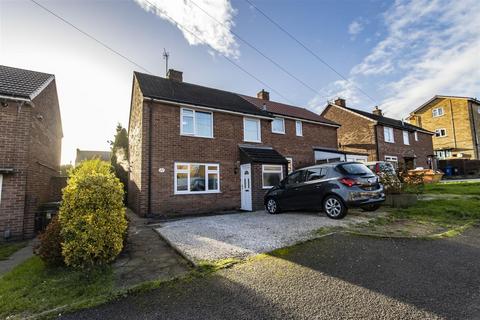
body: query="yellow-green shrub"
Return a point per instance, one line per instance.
(92, 215)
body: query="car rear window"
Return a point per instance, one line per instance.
(356, 169)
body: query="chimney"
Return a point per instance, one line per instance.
(264, 95)
(377, 111)
(340, 102)
(175, 75)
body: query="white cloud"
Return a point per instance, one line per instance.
(189, 18)
(355, 28)
(341, 88)
(430, 47)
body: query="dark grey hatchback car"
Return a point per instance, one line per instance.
(332, 187)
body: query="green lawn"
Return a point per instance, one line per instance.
(32, 288)
(472, 188)
(7, 249)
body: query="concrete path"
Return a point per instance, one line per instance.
(245, 234)
(17, 258)
(146, 256)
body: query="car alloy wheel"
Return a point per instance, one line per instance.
(334, 208)
(272, 206)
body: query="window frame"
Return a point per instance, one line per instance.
(283, 124)
(436, 113)
(406, 135)
(299, 133)
(415, 133)
(259, 128)
(290, 164)
(389, 129)
(440, 130)
(195, 134)
(187, 171)
(392, 159)
(263, 171)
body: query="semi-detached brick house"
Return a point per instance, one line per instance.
(30, 147)
(382, 138)
(196, 150)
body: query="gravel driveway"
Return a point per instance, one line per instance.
(244, 234)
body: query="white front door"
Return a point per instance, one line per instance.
(246, 186)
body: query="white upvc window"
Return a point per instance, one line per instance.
(393, 160)
(1, 182)
(298, 128)
(416, 135)
(251, 130)
(196, 123)
(196, 178)
(388, 134)
(278, 125)
(442, 132)
(290, 164)
(271, 175)
(406, 137)
(437, 112)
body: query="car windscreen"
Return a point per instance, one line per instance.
(356, 169)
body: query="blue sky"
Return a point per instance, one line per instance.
(399, 52)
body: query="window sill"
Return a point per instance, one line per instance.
(194, 136)
(390, 142)
(195, 193)
(278, 132)
(252, 141)
(265, 188)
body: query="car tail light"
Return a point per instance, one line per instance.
(349, 182)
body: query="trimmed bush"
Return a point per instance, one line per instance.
(92, 216)
(50, 247)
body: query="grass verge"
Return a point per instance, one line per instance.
(7, 249)
(472, 188)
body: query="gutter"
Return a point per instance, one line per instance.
(377, 152)
(207, 108)
(474, 131)
(453, 124)
(15, 98)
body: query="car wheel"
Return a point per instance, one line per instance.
(272, 206)
(371, 207)
(334, 207)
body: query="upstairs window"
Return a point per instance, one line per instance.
(437, 112)
(298, 128)
(251, 130)
(278, 125)
(416, 135)
(196, 123)
(406, 138)
(388, 134)
(441, 132)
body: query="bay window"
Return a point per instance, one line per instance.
(197, 178)
(271, 175)
(196, 123)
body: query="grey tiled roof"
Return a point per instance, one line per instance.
(22, 83)
(182, 92)
(263, 155)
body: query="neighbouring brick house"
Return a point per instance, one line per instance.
(194, 149)
(382, 138)
(30, 147)
(456, 123)
(83, 155)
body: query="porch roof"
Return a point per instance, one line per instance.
(262, 154)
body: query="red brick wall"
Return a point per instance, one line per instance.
(30, 143)
(356, 133)
(168, 147)
(14, 132)
(420, 149)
